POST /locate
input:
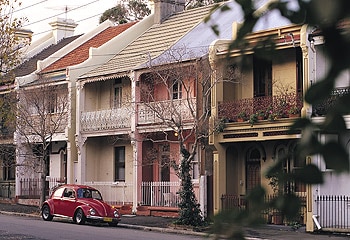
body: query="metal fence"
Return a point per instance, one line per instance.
(31, 187)
(271, 215)
(233, 202)
(333, 211)
(7, 189)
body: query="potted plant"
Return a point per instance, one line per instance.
(260, 114)
(272, 116)
(253, 119)
(242, 116)
(293, 111)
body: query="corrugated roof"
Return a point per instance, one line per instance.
(152, 43)
(81, 53)
(30, 65)
(195, 43)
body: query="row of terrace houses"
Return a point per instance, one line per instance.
(103, 93)
(123, 94)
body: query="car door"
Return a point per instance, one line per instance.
(57, 200)
(68, 203)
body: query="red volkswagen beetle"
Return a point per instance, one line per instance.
(81, 203)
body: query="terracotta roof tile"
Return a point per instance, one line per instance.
(30, 65)
(81, 53)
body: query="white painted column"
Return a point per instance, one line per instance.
(79, 170)
(203, 200)
(134, 143)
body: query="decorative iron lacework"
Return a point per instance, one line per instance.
(155, 112)
(321, 109)
(106, 119)
(278, 105)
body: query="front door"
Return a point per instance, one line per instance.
(165, 162)
(253, 170)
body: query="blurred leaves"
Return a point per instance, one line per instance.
(335, 157)
(329, 19)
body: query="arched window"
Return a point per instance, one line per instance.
(253, 169)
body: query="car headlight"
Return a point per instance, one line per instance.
(92, 211)
(116, 213)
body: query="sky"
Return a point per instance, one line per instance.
(85, 13)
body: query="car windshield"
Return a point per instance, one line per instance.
(89, 193)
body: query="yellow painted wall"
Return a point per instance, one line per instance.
(99, 95)
(284, 72)
(242, 87)
(100, 161)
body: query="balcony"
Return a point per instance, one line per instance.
(321, 109)
(106, 119)
(156, 112)
(261, 108)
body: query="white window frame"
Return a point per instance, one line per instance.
(117, 95)
(176, 89)
(195, 165)
(325, 138)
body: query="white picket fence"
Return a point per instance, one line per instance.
(152, 193)
(114, 192)
(163, 194)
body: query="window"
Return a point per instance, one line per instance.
(299, 69)
(262, 77)
(253, 170)
(195, 165)
(58, 193)
(324, 139)
(69, 193)
(8, 164)
(291, 164)
(117, 95)
(177, 89)
(119, 164)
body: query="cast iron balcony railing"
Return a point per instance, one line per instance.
(106, 119)
(267, 107)
(157, 112)
(321, 109)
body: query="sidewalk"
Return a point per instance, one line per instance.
(161, 224)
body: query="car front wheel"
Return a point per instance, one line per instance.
(79, 217)
(45, 213)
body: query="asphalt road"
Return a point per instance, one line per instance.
(21, 227)
(131, 227)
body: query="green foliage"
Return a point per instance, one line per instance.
(7, 113)
(253, 119)
(136, 10)
(201, 3)
(220, 126)
(116, 14)
(189, 213)
(331, 19)
(11, 44)
(229, 224)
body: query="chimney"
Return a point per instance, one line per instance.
(62, 28)
(165, 8)
(24, 36)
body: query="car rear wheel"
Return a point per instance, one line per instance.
(79, 217)
(45, 213)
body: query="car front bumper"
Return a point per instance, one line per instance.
(102, 219)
